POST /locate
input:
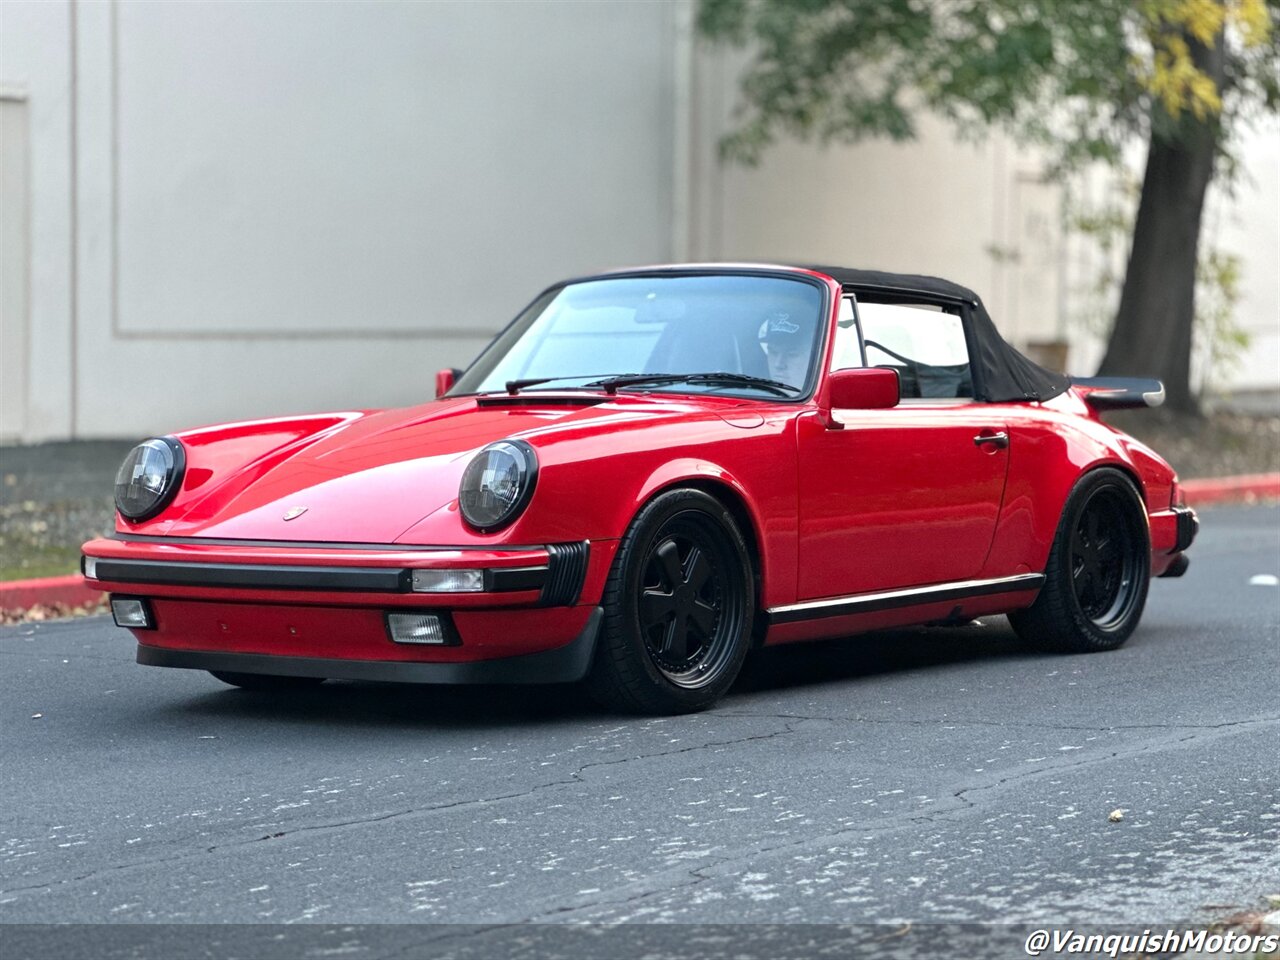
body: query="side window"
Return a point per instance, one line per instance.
(925, 345)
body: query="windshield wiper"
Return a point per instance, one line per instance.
(611, 384)
(515, 386)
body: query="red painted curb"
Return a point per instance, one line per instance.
(70, 590)
(1223, 489)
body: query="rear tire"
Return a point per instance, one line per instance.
(679, 605)
(266, 681)
(1098, 572)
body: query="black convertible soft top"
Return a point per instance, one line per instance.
(1002, 374)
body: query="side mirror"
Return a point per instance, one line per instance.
(445, 379)
(864, 388)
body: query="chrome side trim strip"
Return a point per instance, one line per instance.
(892, 599)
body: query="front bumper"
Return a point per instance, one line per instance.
(1172, 532)
(565, 664)
(556, 571)
(1188, 525)
(322, 609)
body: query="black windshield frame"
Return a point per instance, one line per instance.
(817, 359)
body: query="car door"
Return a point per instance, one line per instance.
(910, 495)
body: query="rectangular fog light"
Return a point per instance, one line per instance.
(90, 567)
(448, 581)
(132, 613)
(419, 628)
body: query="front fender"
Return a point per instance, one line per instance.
(234, 454)
(591, 487)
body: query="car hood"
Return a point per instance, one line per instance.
(369, 479)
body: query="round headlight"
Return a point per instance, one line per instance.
(149, 478)
(497, 484)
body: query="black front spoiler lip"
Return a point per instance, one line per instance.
(566, 664)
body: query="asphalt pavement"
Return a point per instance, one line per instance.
(937, 779)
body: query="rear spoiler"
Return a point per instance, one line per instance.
(1118, 393)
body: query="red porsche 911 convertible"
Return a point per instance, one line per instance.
(646, 475)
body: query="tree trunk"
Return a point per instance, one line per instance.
(1153, 330)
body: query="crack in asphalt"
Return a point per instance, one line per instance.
(723, 866)
(572, 778)
(1004, 725)
(707, 871)
(658, 883)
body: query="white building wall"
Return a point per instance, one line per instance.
(241, 210)
(285, 207)
(36, 72)
(1247, 224)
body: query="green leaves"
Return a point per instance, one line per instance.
(1081, 76)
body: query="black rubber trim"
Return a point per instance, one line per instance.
(909, 597)
(1179, 566)
(1188, 527)
(565, 664)
(567, 573)
(256, 576)
(560, 580)
(508, 579)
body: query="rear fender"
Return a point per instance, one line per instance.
(1049, 453)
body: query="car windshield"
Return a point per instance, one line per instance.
(752, 335)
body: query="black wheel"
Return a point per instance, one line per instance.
(678, 604)
(1098, 572)
(266, 681)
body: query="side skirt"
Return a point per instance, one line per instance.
(896, 599)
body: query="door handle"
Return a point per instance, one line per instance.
(998, 440)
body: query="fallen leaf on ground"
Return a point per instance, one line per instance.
(54, 611)
(1249, 921)
(1115, 816)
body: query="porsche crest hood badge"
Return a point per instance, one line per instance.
(293, 513)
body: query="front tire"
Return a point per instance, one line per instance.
(679, 605)
(1098, 572)
(266, 681)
